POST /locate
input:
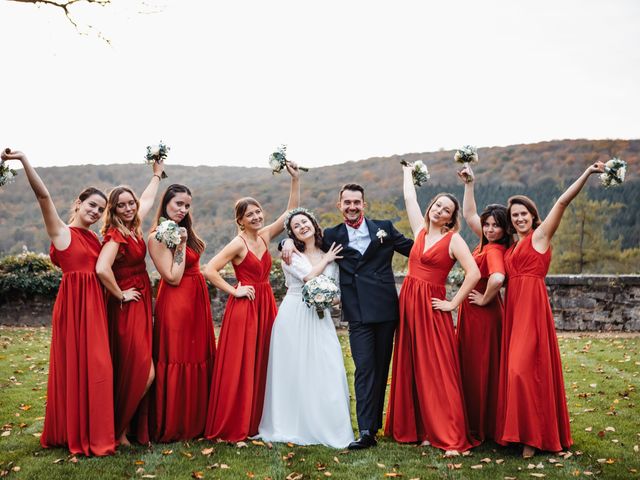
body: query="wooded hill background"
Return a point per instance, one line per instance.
(600, 233)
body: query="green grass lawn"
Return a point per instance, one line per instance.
(601, 374)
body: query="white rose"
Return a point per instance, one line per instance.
(154, 150)
(319, 298)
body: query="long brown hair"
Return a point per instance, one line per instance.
(241, 206)
(86, 193)
(527, 203)
(193, 241)
(454, 223)
(112, 219)
(317, 236)
(499, 214)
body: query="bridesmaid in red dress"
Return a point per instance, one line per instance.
(426, 403)
(238, 385)
(183, 336)
(479, 327)
(79, 411)
(122, 270)
(532, 408)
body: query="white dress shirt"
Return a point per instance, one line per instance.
(359, 237)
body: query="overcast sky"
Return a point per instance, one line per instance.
(224, 83)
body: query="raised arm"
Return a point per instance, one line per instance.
(104, 269)
(169, 263)
(149, 195)
(544, 233)
(460, 251)
(416, 219)
(277, 227)
(57, 230)
(469, 208)
(232, 250)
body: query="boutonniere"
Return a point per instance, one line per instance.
(381, 234)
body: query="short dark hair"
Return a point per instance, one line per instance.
(354, 187)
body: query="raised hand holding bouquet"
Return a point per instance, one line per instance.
(168, 232)
(319, 293)
(614, 172)
(278, 160)
(420, 172)
(7, 175)
(466, 155)
(157, 153)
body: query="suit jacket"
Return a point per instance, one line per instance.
(367, 284)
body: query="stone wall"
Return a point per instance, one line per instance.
(579, 303)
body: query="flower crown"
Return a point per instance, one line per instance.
(297, 211)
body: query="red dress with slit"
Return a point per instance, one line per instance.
(183, 351)
(426, 401)
(130, 332)
(240, 373)
(79, 411)
(532, 407)
(479, 331)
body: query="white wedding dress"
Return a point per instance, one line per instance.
(307, 397)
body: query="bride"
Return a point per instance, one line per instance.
(307, 397)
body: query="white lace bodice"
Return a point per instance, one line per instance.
(300, 268)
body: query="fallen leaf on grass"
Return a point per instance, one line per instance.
(393, 474)
(257, 443)
(251, 474)
(454, 466)
(588, 429)
(241, 445)
(500, 461)
(197, 475)
(335, 459)
(538, 475)
(6, 433)
(609, 429)
(139, 462)
(148, 475)
(294, 476)
(476, 467)
(381, 465)
(167, 452)
(485, 460)
(58, 461)
(207, 451)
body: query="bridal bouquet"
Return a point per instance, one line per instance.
(614, 172)
(278, 160)
(319, 293)
(168, 232)
(7, 175)
(420, 172)
(466, 155)
(157, 153)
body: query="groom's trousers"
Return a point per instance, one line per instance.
(371, 348)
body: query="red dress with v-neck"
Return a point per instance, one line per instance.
(130, 332)
(184, 348)
(79, 413)
(240, 373)
(426, 400)
(532, 407)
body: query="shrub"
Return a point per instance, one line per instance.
(27, 275)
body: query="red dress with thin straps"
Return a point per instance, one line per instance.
(426, 400)
(79, 412)
(532, 407)
(240, 373)
(184, 349)
(479, 331)
(130, 331)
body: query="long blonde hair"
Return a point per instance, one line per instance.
(112, 220)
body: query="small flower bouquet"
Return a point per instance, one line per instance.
(157, 153)
(7, 175)
(614, 172)
(168, 232)
(278, 160)
(420, 172)
(319, 293)
(466, 155)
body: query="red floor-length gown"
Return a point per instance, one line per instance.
(479, 331)
(79, 412)
(183, 351)
(240, 373)
(426, 400)
(531, 399)
(130, 332)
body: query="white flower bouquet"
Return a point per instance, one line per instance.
(278, 160)
(7, 175)
(168, 232)
(319, 293)
(466, 155)
(157, 153)
(420, 172)
(614, 172)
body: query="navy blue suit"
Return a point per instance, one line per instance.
(370, 305)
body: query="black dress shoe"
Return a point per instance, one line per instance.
(365, 441)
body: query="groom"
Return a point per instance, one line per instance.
(369, 301)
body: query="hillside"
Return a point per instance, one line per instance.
(533, 169)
